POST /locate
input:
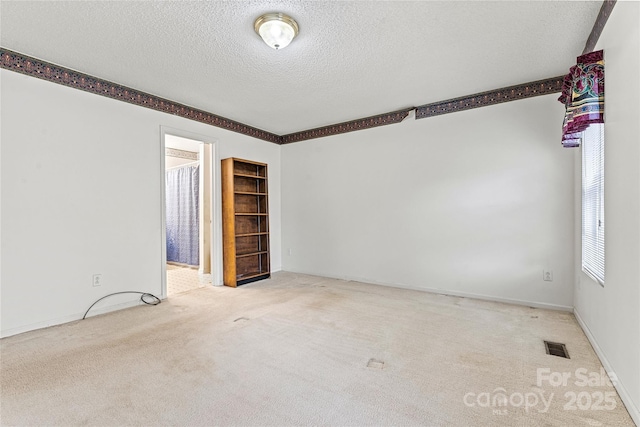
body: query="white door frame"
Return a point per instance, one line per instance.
(216, 225)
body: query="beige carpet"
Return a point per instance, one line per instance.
(182, 279)
(303, 350)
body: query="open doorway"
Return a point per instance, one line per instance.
(188, 238)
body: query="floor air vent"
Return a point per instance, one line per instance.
(556, 349)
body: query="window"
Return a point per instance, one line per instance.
(593, 202)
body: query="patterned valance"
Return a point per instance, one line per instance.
(583, 97)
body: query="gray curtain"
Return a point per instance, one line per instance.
(183, 215)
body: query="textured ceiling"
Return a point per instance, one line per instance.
(352, 59)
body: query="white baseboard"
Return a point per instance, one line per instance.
(66, 319)
(483, 297)
(535, 304)
(39, 325)
(205, 277)
(620, 388)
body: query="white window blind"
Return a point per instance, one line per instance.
(593, 202)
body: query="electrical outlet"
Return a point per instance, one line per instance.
(547, 275)
(97, 280)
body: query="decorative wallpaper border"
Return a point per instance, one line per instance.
(350, 126)
(598, 26)
(181, 154)
(23, 64)
(29, 66)
(492, 97)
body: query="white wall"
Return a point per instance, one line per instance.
(610, 315)
(81, 189)
(472, 203)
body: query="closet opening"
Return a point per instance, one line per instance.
(187, 217)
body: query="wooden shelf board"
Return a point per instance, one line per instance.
(244, 175)
(262, 233)
(248, 193)
(252, 274)
(245, 161)
(250, 214)
(251, 254)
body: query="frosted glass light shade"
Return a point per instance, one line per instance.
(276, 29)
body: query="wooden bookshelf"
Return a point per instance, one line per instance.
(245, 222)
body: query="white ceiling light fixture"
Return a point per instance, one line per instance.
(276, 29)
